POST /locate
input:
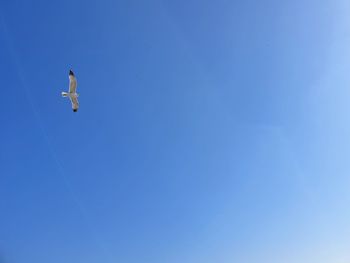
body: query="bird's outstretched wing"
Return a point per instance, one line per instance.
(75, 104)
(72, 82)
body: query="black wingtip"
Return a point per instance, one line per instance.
(71, 73)
(75, 110)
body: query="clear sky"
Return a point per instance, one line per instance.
(208, 131)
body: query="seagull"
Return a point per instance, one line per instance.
(72, 94)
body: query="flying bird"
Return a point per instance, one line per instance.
(72, 94)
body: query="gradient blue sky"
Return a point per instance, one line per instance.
(209, 131)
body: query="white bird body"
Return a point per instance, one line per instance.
(72, 94)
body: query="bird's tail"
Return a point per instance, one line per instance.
(64, 94)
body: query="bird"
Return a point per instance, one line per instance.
(72, 94)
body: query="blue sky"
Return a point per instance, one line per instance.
(208, 131)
